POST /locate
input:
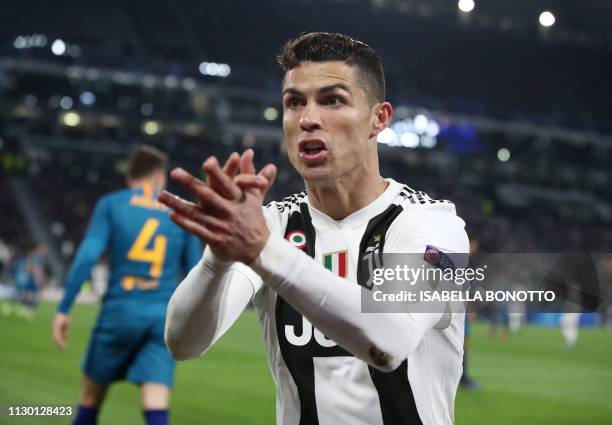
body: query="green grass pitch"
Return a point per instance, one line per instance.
(526, 379)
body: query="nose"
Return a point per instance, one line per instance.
(310, 119)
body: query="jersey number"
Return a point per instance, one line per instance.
(155, 255)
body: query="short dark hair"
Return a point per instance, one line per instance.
(144, 160)
(325, 46)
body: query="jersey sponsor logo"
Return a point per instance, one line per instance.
(297, 238)
(437, 258)
(336, 262)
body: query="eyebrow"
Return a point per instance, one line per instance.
(324, 89)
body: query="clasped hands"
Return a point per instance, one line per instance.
(227, 214)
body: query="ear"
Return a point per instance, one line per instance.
(382, 113)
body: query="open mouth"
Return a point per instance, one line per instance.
(313, 147)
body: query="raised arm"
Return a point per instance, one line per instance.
(236, 230)
(206, 304)
(214, 293)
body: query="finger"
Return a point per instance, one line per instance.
(195, 228)
(206, 196)
(64, 339)
(57, 338)
(186, 180)
(246, 162)
(229, 168)
(250, 181)
(222, 183)
(171, 200)
(269, 173)
(231, 165)
(191, 211)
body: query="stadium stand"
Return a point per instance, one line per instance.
(541, 96)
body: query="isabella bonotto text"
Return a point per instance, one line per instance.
(463, 296)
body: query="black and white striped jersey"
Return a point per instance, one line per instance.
(318, 381)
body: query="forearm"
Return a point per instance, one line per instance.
(80, 270)
(206, 303)
(333, 305)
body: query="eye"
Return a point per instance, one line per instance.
(293, 102)
(334, 100)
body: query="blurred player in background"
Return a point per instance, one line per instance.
(29, 279)
(148, 253)
(570, 325)
(331, 363)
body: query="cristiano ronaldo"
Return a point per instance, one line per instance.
(299, 260)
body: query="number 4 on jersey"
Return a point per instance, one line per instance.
(155, 255)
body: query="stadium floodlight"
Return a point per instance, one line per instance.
(188, 83)
(40, 40)
(151, 128)
(87, 98)
(58, 47)
(409, 140)
(387, 137)
(171, 81)
(547, 19)
(429, 142)
(420, 123)
(224, 70)
(214, 69)
(466, 6)
(203, 68)
(503, 154)
(270, 113)
(20, 42)
(71, 119)
(29, 41)
(433, 129)
(66, 102)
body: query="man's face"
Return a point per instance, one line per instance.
(327, 120)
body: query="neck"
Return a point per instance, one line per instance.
(346, 194)
(141, 183)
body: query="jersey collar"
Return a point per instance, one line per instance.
(361, 216)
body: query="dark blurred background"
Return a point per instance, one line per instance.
(495, 111)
